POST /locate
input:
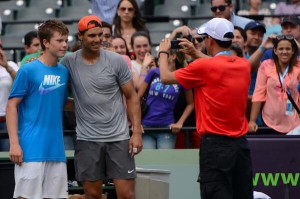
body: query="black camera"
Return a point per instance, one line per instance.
(175, 43)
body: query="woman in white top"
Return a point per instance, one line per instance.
(144, 61)
(255, 10)
(8, 71)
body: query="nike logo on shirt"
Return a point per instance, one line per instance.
(52, 81)
(44, 91)
(131, 171)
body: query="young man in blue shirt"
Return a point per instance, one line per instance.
(34, 119)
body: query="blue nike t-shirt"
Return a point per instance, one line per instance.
(44, 92)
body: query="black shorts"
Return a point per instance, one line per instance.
(225, 168)
(103, 160)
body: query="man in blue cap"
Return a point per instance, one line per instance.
(255, 32)
(290, 25)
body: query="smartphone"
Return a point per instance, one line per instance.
(175, 45)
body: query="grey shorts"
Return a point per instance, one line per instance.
(103, 160)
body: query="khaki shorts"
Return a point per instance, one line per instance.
(36, 180)
(103, 160)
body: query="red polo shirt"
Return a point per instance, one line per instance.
(221, 86)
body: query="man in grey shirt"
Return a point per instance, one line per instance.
(99, 78)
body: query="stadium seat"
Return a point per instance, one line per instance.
(156, 37)
(38, 13)
(73, 29)
(186, 2)
(204, 10)
(10, 9)
(158, 30)
(164, 26)
(173, 10)
(9, 55)
(75, 12)
(196, 23)
(11, 41)
(46, 3)
(19, 29)
(80, 3)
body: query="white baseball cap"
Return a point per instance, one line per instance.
(218, 28)
(201, 30)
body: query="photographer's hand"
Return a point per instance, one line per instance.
(183, 30)
(189, 49)
(165, 46)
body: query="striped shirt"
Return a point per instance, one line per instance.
(104, 9)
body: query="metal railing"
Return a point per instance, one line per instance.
(262, 131)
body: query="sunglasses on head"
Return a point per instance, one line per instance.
(281, 37)
(215, 8)
(129, 9)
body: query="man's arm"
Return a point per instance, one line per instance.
(134, 112)
(166, 76)
(257, 55)
(69, 105)
(15, 152)
(256, 106)
(184, 30)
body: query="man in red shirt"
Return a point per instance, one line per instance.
(221, 84)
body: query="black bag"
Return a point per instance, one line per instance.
(290, 98)
(144, 106)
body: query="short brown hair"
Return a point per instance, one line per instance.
(48, 28)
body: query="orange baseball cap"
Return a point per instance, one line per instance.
(88, 22)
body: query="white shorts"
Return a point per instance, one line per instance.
(36, 180)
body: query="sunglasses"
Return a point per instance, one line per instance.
(123, 9)
(221, 8)
(199, 39)
(281, 37)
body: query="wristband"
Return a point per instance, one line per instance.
(143, 75)
(147, 67)
(262, 49)
(162, 51)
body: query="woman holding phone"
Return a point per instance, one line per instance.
(143, 60)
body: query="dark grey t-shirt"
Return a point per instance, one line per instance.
(100, 111)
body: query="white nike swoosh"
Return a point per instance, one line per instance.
(131, 171)
(44, 91)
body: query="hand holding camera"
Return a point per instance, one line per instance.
(175, 43)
